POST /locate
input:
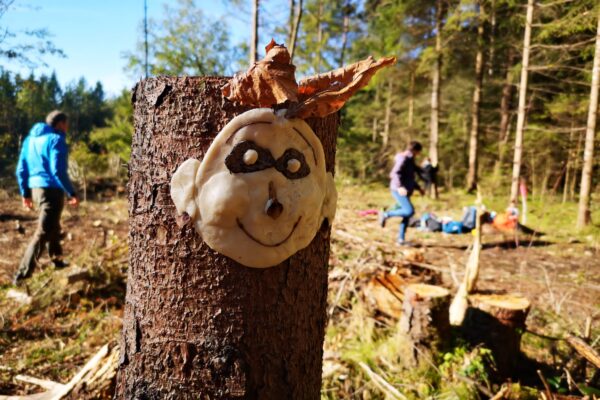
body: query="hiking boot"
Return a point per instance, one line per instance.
(382, 219)
(405, 243)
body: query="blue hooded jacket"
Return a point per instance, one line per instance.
(43, 161)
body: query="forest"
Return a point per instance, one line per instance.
(503, 95)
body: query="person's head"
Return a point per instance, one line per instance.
(58, 120)
(415, 147)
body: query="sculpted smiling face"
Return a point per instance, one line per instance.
(261, 192)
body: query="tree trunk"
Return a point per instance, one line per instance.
(375, 127)
(569, 167)
(292, 7)
(492, 46)
(295, 29)
(411, 100)
(345, 29)
(254, 35)
(388, 113)
(576, 166)
(435, 94)
(514, 189)
(425, 318)
(474, 134)
(497, 322)
(584, 213)
(196, 323)
(319, 35)
(505, 106)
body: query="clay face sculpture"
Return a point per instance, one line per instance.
(261, 191)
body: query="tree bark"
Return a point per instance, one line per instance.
(295, 29)
(254, 34)
(435, 94)
(425, 318)
(497, 322)
(197, 324)
(475, 107)
(584, 213)
(514, 188)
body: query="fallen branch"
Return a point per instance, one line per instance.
(382, 384)
(96, 367)
(546, 386)
(501, 393)
(584, 349)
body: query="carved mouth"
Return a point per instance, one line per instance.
(263, 243)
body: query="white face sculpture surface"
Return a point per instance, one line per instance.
(261, 192)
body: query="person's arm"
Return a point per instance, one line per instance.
(395, 172)
(58, 166)
(23, 172)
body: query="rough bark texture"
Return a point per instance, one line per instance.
(516, 173)
(497, 328)
(584, 214)
(425, 318)
(197, 325)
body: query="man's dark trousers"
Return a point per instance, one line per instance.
(50, 202)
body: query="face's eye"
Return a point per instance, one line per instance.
(292, 164)
(247, 156)
(250, 157)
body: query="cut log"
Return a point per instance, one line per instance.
(425, 318)
(384, 294)
(497, 321)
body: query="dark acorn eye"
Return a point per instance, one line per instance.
(247, 156)
(292, 164)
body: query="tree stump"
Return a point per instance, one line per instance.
(497, 321)
(196, 323)
(425, 318)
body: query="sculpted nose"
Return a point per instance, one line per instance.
(273, 208)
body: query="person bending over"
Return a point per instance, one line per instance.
(402, 185)
(43, 180)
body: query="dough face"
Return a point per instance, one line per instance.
(261, 192)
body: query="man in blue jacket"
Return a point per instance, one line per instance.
(43, 179)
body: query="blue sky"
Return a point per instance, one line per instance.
(94, 34)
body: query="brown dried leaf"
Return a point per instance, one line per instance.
(268, 82)
(323, 94)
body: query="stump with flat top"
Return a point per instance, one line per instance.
(497, 321)
(425, 317)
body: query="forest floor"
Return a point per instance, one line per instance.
(71, 313)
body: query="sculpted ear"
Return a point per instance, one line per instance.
(330, 202)
(183, 188)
